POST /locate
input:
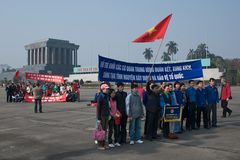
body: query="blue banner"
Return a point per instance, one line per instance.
(111, 70)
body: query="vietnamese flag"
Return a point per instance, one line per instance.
(156, 32)
(17, 74)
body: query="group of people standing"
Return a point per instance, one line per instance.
(116, 108)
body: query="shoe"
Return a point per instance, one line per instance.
(223, 116)
(101, 148)
(117, 144)
(139, 141)
(215, 126)
(172, 136)
(96, 142)
(229, 114)
(111, 145)
(131, 143)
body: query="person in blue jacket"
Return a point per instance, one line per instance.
(212, 100)
(191, 100)
(201, 105)
(180, 102)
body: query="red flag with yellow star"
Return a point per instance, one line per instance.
(154, 33)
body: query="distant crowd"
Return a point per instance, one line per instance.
(116, 107)
(15, 92)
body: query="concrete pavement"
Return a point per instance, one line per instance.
(64, 132)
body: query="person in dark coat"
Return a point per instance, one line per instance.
(191, 100)
(212, 100)
(201, 105)
(153, 110)
(103, 112)
(7, 89)
(121, 106)
(145, 101)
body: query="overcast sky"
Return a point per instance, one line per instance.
(107, 27)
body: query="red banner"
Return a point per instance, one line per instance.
(45, 77)
(45, 99)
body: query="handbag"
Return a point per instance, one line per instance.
(117, 118)
(99, 134)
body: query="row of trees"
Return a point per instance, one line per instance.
(230, 67)
(172, 49)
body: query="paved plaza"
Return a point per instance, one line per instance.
(64, 132)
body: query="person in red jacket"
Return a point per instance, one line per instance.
(225, 97)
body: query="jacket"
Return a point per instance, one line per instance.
(37, 93)
(201, 97)
(153, 103)
(103, 109)
(191, 95)
(225, 92)
(121, 104)
(134, 105)
(179, 96)
(212, 95)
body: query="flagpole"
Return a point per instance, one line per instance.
(155, 59)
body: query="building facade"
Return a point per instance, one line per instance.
(52, 56)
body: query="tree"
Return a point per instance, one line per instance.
(148, 54)
(202, 51)
(172, 48)
(165, 57)
(190, 54)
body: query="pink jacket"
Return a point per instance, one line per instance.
(113, 107)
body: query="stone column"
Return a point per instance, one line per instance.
(49, 55)
(53, 55)
(64, 55)
(59, 56)
(75, 57)
(46, 55)
(32, 57)
(28, 56)
(70, 57)
(39, 56)
(43, 55)
(36, 56)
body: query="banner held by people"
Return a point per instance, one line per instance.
(46, 99)
(44, 77)
(118, 71)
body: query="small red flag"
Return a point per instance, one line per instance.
(154, 33)
(17, 74)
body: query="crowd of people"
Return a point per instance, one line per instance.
(15, 92)
(115, 108)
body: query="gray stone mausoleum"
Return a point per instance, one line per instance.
(51, 56)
